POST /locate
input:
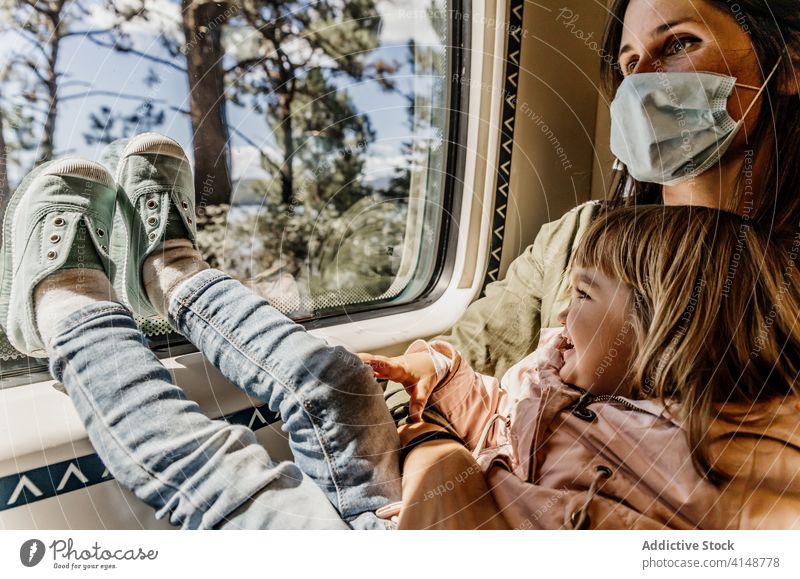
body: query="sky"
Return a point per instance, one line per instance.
(100, 69)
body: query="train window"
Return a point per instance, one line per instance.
(317, 130)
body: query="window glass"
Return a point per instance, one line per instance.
(316, 129)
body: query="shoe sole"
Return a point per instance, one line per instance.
(69, 167)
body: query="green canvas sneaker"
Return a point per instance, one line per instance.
(61, 216)
(155, 202)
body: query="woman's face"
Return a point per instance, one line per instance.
(598, 348)
(694, 35)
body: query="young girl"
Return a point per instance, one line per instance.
(691, 420)
(668, 399)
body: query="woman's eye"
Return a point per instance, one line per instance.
(680, 44)
(628, 67)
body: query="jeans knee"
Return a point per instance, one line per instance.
(341, 369)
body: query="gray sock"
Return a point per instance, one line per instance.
(64, 292)
(172, 263)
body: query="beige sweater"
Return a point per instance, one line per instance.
(503, 327)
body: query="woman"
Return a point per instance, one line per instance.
(757, 177)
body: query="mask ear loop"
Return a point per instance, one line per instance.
(755, 99)
(759, 89)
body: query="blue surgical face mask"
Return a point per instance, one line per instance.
(668, 127)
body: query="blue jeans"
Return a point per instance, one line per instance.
(207, 473)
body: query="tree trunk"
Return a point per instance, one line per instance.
(5, 190)
(202, 24)
(51, 84)
(287, 172)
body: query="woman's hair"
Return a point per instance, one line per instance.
(774, 29)
(715, 309)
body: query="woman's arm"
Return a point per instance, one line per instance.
(502, 327)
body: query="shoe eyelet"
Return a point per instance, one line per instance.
(59, 222)
(51, 254)
(185, 204)
(100, 231)
(152, 220)
(152, 236)
(189, 219)
(152, 203)
(55, 238)
(104, 248)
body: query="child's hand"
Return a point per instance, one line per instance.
(415, 372)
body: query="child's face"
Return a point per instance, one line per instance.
(597, 348)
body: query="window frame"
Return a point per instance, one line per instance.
(453, 188)
(171, 344)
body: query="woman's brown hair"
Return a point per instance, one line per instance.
(774, 29)
(715, 314)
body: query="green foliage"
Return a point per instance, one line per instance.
(296, 63)
(109, 125)
(327, 254)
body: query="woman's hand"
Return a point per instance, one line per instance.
(416, 372)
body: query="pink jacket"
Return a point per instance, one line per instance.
(557, 457)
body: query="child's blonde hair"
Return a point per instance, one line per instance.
(714, 312)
